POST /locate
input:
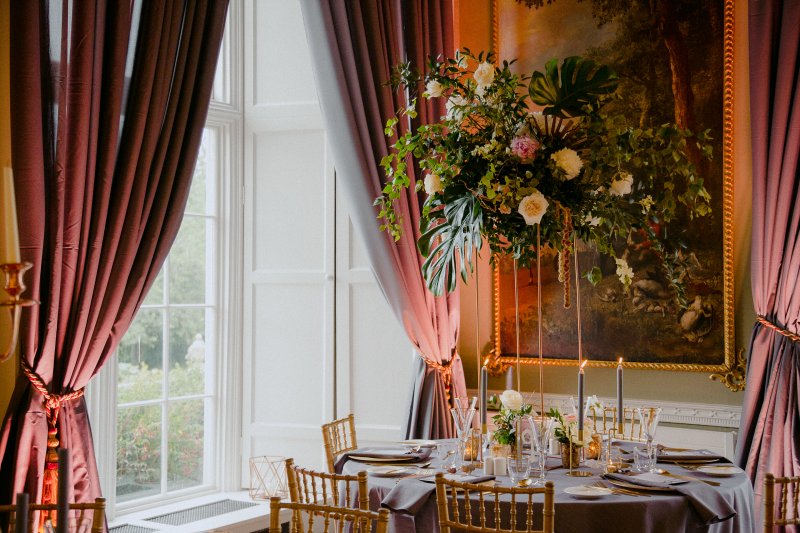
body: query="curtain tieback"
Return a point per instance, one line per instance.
(52, 402)
(443, 368)
(775, 327)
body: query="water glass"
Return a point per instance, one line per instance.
(519, 469)
(644, 459)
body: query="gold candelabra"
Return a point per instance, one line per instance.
(14, 287)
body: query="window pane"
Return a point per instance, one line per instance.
(187, 263)
(138, 452)
(155, 296)
(141, 355)
(185, 460)
(187, 351)
(196, 203)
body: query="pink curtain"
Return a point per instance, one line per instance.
(355, 45)
(102, 181)
(770, 436)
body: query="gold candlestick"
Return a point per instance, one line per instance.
(14, 286)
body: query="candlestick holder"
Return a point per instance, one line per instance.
(14, 287)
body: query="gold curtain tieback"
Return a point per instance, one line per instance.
(52, 402)
(775, 327)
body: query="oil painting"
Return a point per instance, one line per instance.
(674, 61)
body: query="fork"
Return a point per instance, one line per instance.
(689, 478)
(616, 490)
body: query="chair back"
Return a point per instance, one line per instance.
(81, 515)
(605, 420)
(477, 508)
(339, 436)
(311, 486)
(310, 517)
(785, 513)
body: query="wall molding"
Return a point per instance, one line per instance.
(682, 413)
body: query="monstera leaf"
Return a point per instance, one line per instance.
(448, 242)
(580, 82)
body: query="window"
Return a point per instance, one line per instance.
(166, 360)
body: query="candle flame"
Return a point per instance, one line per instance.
(620, 361)
(486, 361)
(584, 364)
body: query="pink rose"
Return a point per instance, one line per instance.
(525, 148)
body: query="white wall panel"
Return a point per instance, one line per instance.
(290, 200)
(281, 61)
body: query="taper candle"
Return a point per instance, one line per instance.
(580, 396)
(9, 232)
(64, 480)
(620, 412)
(484, 384)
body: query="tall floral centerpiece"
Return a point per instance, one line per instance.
(527, 181)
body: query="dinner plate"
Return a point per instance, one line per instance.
(694, 461)
(587, 492)
(720, 470)
(634, 486)
(422, 443)
(387, 471)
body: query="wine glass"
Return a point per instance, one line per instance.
(463, 414)
(648, 418)
(541, 429)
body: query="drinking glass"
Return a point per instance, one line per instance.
(644, 459)
(648, 418)
(540, 430)
(463, 414)
(519, 468)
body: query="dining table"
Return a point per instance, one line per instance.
(408, 493)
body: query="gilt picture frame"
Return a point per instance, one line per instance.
(641, 325)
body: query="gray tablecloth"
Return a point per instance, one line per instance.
(616, 513)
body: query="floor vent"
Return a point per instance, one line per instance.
(201, 512)
(127, 528)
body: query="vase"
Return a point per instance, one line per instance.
(570, 456)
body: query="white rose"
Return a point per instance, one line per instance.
(592, 220)
(434, 89)
(484, 74)
(533, 207)
(569, 161)
(623, 185)
(454, 107)
(433, 184)
(511, 399)
(624, 272)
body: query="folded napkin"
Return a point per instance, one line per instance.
(670, 454)
(706, 500)
(399, 455)
(410, 495)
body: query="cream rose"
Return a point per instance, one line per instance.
(484, 74)
(533, 207)
(511, 399)
(622, 186)
(433, 184)
(454, 107)
(568, 161)
(592, 220)
(434, 89)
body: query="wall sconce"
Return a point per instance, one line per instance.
(10, 263)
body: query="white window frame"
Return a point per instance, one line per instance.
(227, 120)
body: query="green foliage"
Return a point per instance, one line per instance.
(580, 83)
(504, 432)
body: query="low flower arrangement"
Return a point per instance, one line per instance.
(512, 406)
(566, 429)
(495, 170)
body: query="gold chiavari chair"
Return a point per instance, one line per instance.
(81, 514)
(339, 436)
(481, 507)
(311, 486)
(309, 517)
(605, 420)
(786, 512)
